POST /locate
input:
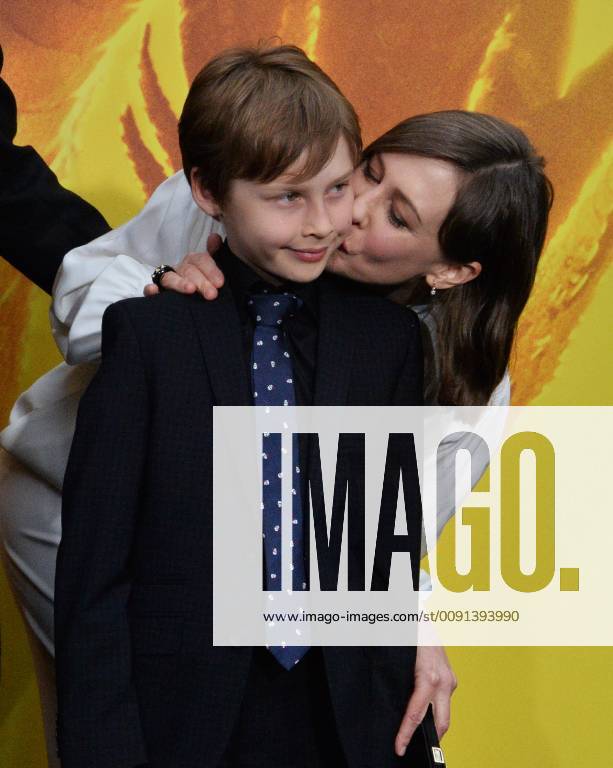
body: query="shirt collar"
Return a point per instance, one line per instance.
(243, 281)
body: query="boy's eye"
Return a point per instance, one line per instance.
(395, 220)
(340, 188)
(289, 197)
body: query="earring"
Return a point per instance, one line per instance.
(433, 290)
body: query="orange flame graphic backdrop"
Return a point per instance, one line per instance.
(99, 87)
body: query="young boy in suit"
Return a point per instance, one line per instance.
(268, 144)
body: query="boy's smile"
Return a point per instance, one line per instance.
(288, 228)
(310, 256)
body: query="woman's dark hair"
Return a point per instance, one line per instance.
(499, 218)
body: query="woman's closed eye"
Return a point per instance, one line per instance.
(395, 220)
(369, 174)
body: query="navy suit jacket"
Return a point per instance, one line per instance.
(138, 677)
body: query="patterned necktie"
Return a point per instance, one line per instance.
(273, 384)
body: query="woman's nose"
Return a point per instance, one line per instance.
(362, 205)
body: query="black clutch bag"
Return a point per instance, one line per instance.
(424, 750)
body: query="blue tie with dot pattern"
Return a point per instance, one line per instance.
(273, 384)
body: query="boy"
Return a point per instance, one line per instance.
(268, 144)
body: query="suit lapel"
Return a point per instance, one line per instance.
(335, 346)
(218, 327)
(219, 332)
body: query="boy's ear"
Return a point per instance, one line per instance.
(202, 197)
(448, 275)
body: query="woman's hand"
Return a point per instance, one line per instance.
(434, 682)
(196, 273)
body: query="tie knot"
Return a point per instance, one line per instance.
(272, 308)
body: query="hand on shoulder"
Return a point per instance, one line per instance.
(196, 273)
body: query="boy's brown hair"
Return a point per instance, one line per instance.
(251, 112)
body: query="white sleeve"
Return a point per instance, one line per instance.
(118, 265)
(502, 394)
(472, 457)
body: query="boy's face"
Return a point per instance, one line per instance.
(284, 229)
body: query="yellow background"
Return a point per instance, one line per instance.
(99, 85)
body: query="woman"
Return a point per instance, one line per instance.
(440, 200)
(450, 215)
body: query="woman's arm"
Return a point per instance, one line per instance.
(435, 680)
(460, 456)
(118, 265)
(464, 455)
